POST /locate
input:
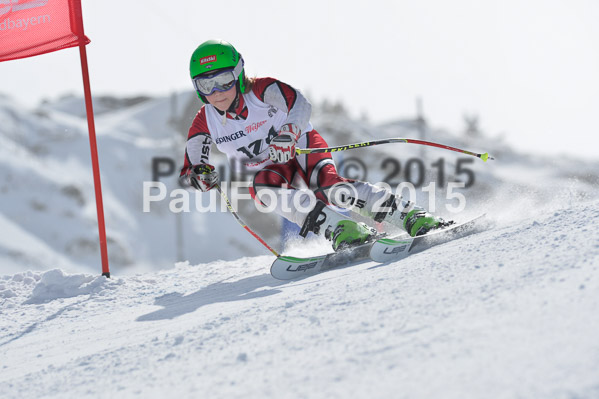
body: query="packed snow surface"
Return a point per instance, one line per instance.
(510, 312)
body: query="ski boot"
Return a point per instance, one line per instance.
(418, 222)
(349, 233)
(339, 229)
(413, 219)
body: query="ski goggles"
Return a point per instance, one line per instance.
(218, 81)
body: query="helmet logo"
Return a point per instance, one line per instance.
(210, 58)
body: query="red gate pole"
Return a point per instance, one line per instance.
(77, 15)
(95, 164)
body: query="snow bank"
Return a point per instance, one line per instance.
(56, 284)
(42, 287)
(14, 289)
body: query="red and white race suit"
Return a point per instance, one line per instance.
(244, 132)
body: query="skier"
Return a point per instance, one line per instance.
(258, 123)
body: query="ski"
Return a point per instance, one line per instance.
(396, 248)
(381, 250)
(291, 267)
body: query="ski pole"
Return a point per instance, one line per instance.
(483, 156)
(242, 223)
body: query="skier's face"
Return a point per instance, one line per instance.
(222, 99)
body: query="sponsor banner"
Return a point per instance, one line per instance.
(33, 27)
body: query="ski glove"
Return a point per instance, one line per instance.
(202, 176)
(282, 147)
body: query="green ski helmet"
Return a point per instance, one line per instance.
(213, 55)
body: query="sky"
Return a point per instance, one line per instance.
(528, 69)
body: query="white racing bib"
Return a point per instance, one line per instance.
(245, 142)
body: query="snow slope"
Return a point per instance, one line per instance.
(507, 313)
